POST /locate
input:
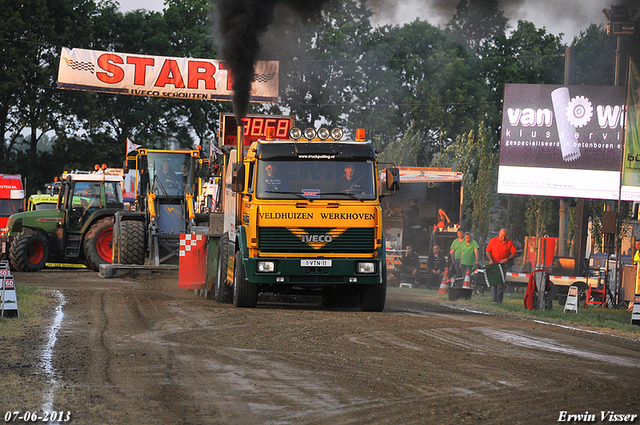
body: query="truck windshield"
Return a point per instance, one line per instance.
(334, 180)
(170, 172)
(10, 206)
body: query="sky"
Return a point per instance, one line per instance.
(557, 16)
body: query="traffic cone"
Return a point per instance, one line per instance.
(467, 281)
(444, 286)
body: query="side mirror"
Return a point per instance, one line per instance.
(393, 179)
(237, 180)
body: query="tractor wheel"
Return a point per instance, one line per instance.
(29, 251)
(98, 243)
(245, 293)
(132, 239)
(223, 293)
(373, 297)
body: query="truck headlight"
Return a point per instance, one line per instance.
(366, 267)
(266, 266)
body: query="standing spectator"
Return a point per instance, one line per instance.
(455, 254)
(436, 264)
(410, 264)
(636, 261)
(469, 258)
(411, 223)
(500, 250)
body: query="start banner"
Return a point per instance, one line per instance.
(159, 76)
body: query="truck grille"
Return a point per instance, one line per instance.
(280, 239)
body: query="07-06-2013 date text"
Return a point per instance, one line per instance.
(15, 415)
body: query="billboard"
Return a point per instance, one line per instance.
(159, 76)
(631, 159)
(564, 141)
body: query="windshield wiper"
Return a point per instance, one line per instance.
(348, 194)
(299, 195)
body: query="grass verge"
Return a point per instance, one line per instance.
(600, 319)
(33, 304)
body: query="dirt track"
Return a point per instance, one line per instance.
(141, 351)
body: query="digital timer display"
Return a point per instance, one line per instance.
(255, 127)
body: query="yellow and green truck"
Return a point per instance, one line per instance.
(302, 215)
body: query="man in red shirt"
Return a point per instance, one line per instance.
(500, 250)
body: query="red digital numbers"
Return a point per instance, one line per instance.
(255, 127)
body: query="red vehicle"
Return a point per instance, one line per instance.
(11, 202)
(11, 197)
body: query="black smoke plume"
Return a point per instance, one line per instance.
(240, 24)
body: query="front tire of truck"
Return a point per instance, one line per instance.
(245, 294)
(29, 251)
(98, 243)
(373, 297)
(223, 293)
(132, 238)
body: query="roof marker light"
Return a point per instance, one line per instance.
(271, 133)
(295, 133)
(309, 133)
(323, 133)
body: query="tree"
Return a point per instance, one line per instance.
(477, 23)
(473, 155)
(538, 217)
(594, 57)
(322, 75)
(405, 150)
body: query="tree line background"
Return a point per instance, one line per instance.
(427, 96)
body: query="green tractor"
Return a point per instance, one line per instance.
(79, 228)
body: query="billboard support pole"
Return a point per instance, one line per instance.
(563, 216)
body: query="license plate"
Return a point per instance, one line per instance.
(315, 263)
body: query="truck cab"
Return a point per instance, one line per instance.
(11, 197)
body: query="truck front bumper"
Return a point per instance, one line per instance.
(292, 271)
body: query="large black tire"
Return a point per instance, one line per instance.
(223, 292)
(98, 243)
(132, 240)
(245, 294)
(29, 251)
(373, 297)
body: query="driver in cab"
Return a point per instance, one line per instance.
(273, 180)
(353, 181)
(166, 176)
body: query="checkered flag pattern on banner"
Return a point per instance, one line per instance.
(79, 66)
(263, 78)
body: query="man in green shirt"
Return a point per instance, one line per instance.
(469, 257)
(455, 254)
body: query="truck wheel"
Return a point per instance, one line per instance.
(29, 251)
(223, 293)
(98, 243)
(373, 297)
(245, 294)
(132, 240)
